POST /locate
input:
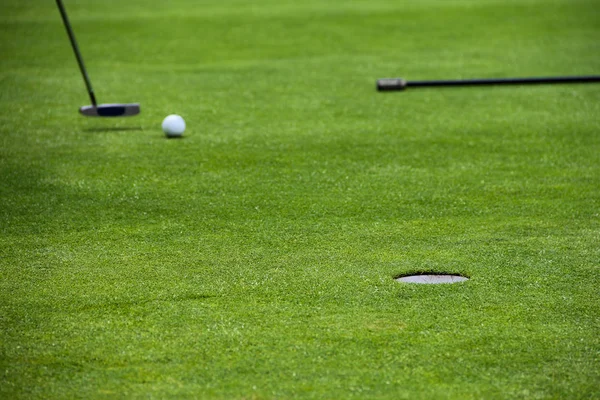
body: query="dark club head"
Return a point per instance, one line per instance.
(111, 110)
(388, 84)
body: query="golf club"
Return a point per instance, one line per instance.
(396, 84)
(95, 110)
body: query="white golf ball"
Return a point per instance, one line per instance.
(173, 125)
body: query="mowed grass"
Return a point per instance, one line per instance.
(255, 258)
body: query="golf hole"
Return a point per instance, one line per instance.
(431, 279)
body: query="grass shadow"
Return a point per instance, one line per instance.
(114, 129)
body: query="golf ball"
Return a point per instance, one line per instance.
(173, 125)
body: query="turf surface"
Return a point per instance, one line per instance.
(255, 257)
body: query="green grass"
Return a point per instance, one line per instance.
(254, 259)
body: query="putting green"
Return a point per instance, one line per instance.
(255, 258)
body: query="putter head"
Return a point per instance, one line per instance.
(390, 84)
(111, 110)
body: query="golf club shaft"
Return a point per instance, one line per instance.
(394, 84)
(86, 78)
